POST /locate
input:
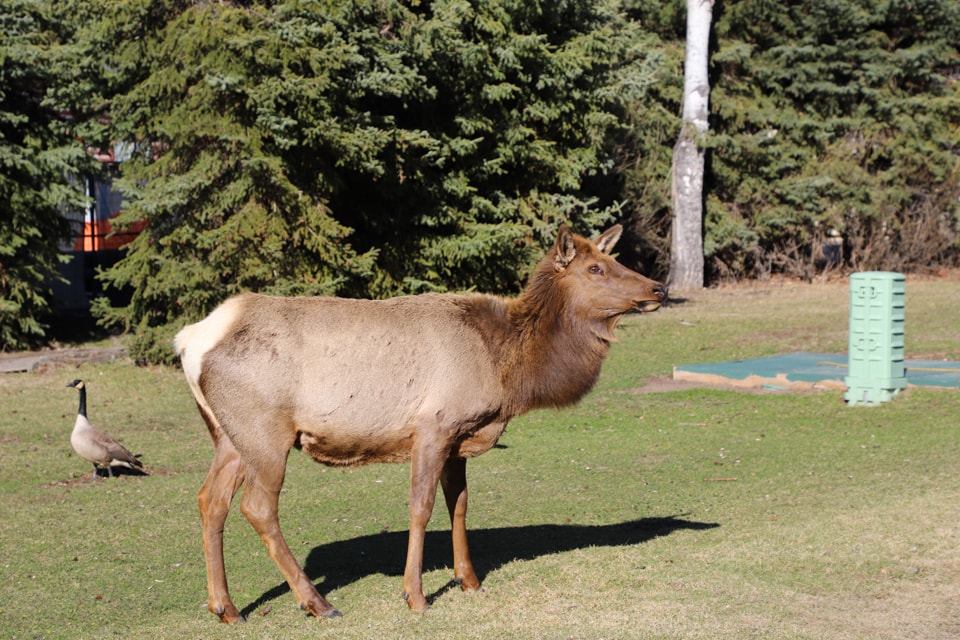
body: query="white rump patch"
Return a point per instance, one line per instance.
(195, 340)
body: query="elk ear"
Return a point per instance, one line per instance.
(565, 249)
(608, 238)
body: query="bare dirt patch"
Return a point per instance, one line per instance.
(663, 384)
(36, 361)
(120, 474)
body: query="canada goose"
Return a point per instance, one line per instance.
(96, 446)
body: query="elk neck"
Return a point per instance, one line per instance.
(548, 356)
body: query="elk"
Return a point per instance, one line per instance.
(432, 379)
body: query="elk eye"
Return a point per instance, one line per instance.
(595, 269)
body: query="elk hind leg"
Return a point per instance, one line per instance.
(224, 479)
(260, 506)
(454, 483)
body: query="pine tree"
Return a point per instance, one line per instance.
(508, 121)
(203, 92)
(835, 117)
(831, 121)
(37, 155)
(349, 148)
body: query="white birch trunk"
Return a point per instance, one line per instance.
(686, 244)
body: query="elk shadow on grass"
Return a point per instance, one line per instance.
(340, 563)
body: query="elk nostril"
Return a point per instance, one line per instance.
(661, 292)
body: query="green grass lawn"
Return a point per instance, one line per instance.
(694, 513)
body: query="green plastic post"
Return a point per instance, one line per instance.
(876, 371)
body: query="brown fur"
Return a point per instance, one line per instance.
(433, 379)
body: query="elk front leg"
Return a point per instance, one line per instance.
(223, 480)
(426, 465)
(454, 483)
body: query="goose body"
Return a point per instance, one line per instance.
(96, 446)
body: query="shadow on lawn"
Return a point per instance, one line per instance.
(340, 563)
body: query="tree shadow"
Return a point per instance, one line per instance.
(340, 563)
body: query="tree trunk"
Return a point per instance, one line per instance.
(686, 244)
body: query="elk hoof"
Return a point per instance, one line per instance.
(228, 615)
(317, 612)
(413, 606)
(468, 585)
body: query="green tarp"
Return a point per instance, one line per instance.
(811, 369)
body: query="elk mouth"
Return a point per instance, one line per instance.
(646, 306)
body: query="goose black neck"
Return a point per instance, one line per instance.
(83, 402)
